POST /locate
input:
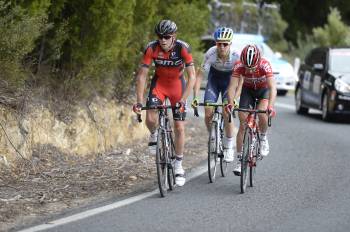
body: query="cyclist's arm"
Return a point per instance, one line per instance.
(142, 73)
(141, 78)
(232, 88)
(191, 73)
(239, 88)
(198, 82)
(273, 91)
(200, 72)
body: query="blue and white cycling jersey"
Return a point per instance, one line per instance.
(211, 59)
(219, 74)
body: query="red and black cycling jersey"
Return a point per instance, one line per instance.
(168, 65)
(254, 79)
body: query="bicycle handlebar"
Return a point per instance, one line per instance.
(195, 109)
(252, 111)
(159, 107)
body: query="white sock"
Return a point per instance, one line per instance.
(229, 142)
(263, 136)
(178, 160)
(155, 132)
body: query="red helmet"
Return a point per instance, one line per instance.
(250, 56)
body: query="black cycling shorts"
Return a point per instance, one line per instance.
(249, 95)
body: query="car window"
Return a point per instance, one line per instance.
(316, 57)
(264, 48)
(339, 60)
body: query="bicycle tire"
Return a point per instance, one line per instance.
(252, 168)
(245, 159)
(223, 167)
(171, 158)
(212, 155)
(223, 163)
(162, 168)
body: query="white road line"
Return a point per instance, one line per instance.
(286, 106)
(76, 217)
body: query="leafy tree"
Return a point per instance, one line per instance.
(19, 29)
(89, 47)
(276, 35)
(334, 33)
(303, 15)
(190, 28)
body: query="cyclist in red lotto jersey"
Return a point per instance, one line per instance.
(258, 82)
(170, 56)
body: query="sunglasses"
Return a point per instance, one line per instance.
(222, 44)
(164, 37)
(251, 69)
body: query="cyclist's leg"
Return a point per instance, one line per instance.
(179, 130)
(246, 100)
(229, 126)
(155, 97)
(211, 95)
(239, 139)
(263, 96)
(263, 102)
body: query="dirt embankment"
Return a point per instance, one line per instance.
(55, 182)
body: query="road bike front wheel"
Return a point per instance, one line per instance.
(212, 154)
(245, 159)
(171, 158)
(223, 166)
(253, 163)
(162, 167)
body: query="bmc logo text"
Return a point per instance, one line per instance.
(168, 62)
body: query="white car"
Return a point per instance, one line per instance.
(284, 71)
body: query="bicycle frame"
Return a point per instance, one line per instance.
(218, 118)
(165, 154)
(251, 144)
(215, 135)
(252, 126)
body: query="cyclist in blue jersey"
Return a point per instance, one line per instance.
(218, 63)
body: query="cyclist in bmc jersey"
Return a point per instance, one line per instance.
(258, 83)
(170, 56)
(218, 63)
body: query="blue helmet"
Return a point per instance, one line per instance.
(223, 34)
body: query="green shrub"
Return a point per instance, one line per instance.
(334, 33)
(19, 30)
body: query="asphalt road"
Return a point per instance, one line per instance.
(303, 185)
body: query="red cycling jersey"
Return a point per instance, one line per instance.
(254, 79)
(168, 80)
(169, 65)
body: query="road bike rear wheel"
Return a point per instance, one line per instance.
(162, 167)
(212, 154)
(245, 159)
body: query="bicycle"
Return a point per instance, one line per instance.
(251, 145)
(215, 146)
(165, 153)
